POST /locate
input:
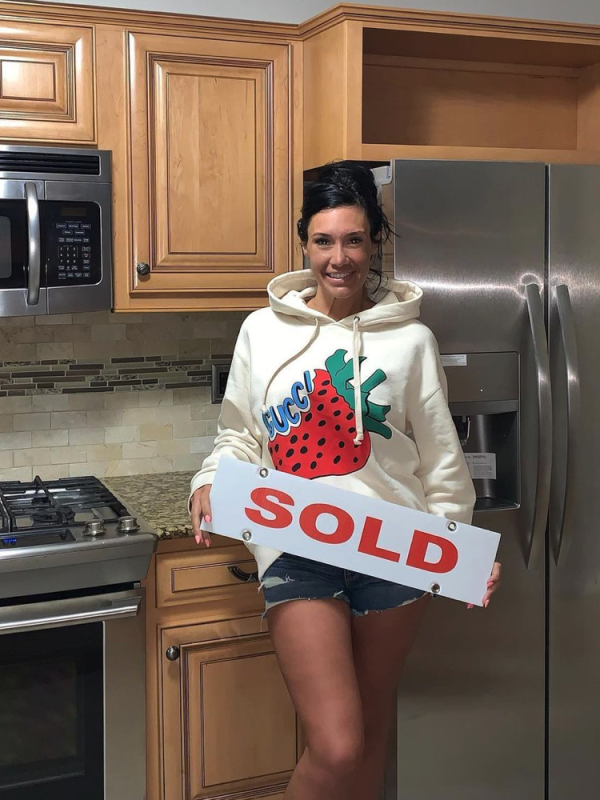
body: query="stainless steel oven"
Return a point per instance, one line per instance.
(72, 697)
(72, 685)
(55, 230)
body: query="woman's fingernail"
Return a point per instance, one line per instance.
(208, 543)
(470, 605)
(197, 538)
(207, 519)
(486, 604)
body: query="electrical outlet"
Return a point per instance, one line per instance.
(220, 373)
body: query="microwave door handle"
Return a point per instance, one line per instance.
(569, 343)
(34, 237)
(544, 403)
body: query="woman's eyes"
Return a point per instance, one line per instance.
(326, 242)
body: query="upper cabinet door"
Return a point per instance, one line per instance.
(46, 82)
(210, 167)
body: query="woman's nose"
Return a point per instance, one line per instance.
(338, 255)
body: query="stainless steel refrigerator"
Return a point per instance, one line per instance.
(504, 703)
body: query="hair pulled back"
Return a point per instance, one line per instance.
(344, 183)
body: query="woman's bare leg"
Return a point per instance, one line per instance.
(381, 644)
(313, 643)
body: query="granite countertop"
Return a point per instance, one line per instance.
(160, 499)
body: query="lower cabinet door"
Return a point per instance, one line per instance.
(229, 727)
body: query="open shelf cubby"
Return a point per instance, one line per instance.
(445, 94)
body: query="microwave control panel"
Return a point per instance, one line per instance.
(72, 246)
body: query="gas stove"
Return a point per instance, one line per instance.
(68, 534)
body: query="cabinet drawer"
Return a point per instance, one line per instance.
(190, 577)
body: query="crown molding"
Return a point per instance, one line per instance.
(449, 22)
(153, 20)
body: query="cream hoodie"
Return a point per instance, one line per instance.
(292, 403)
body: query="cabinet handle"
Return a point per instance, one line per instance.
(143, 269)
(172, 653)
(245, 577)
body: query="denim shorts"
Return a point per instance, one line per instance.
(295, 578)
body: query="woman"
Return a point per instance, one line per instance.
(292, 403)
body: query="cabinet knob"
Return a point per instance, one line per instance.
(172, 653)
(143, 268)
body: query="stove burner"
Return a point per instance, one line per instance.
(49, 516)
(68, 502)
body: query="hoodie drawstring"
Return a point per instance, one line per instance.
(281, 367)
(360, 435)
(357, 381)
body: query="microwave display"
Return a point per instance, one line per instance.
(72, 243)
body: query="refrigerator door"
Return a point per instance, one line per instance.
(574, 638)
(471, 705)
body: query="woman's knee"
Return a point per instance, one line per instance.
(339, 753)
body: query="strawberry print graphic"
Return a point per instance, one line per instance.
(312, 435)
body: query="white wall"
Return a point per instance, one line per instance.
(587, 11)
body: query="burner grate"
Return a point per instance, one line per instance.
(38, 505)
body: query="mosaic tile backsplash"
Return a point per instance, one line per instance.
(103, 352)
(109, 394)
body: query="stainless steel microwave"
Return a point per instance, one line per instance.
(55, 230)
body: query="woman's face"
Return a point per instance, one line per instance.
(339, 249)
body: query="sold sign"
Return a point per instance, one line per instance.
(261, 506)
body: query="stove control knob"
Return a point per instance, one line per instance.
(128, 525)
(94, 528)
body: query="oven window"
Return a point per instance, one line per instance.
(51, 706)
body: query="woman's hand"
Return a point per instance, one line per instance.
(201, 509)
(492, 584)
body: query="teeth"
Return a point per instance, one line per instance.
(339, 276)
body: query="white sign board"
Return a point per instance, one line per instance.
(311, 519)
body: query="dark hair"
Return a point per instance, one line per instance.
(345, 183)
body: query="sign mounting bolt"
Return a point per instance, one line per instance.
(264, 473)
(452, 526)
(246, 535)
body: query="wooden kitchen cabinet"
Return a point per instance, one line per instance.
(220, 720)
(46, 82)
(385, 83)
(210, 169)
(229, 725)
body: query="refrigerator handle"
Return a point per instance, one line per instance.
(544, 398)
(569, 344)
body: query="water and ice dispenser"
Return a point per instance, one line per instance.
(483, 393)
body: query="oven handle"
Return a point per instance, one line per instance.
(70, 611)
(34, 237)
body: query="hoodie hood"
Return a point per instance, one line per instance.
(398, 302)
(288, 294)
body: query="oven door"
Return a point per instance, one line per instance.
(72, 699)
(22, 276)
